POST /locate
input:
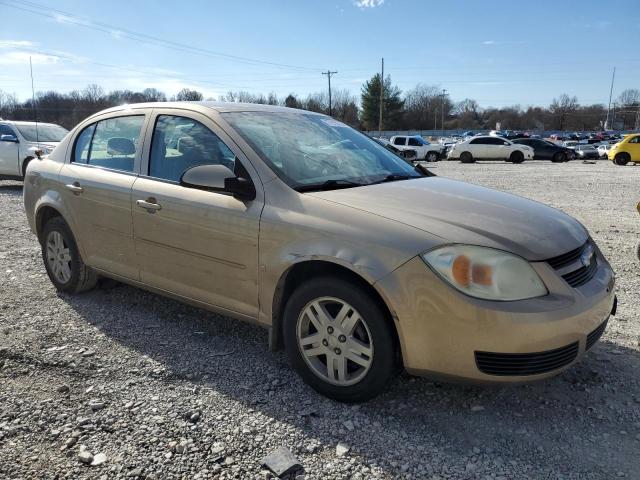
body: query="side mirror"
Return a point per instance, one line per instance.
(218, 178)
(9, 138)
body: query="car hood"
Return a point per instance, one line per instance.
(460, 212)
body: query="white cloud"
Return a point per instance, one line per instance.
(17, 44)
(16, 58)
(67, 20)
(489, 42)
(368, 3)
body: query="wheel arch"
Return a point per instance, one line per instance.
(307, 269)
(24, 163)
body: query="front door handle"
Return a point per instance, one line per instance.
(149, 205)
(75, 188)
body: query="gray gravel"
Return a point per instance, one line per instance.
(120, 383)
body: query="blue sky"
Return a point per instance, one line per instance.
(499, 53)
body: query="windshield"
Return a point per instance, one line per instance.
(306, 150)
(45, 132)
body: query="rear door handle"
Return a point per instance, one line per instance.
(74, 187)
(149, 205)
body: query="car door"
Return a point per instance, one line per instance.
(497, 148)
(477, 147)
(97, 180)
(400, 142)
(9, 152)
(199, 244)
(634, 148)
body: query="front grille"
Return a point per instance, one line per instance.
(518, 364)
(581, 274)
(594, 336)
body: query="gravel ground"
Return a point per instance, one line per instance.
(150, 388)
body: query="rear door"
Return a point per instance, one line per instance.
(198, 244)
(97, 181)
(9, 153)
(497, 148)
(478, 147)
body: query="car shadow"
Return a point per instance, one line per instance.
(573, 419)
(10, 188)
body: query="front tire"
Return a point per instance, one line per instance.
(516, 157)
(62, 260)
(466, 157)
(622, 159)
(559, 157)
(432, 157)
(338, 339)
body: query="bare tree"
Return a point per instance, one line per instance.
(561, 108)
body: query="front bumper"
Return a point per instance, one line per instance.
(441, 330)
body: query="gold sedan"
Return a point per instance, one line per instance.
(354, 259)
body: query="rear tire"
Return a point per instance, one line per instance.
(312, 324)
(516, 157)
(466, 157)
(62, 260)
(622, 159)
(25, 163)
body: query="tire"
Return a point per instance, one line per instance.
(63, 263)
(432, 157)
(25, 163)
(466, 157)
(371, 333)
(516, 157)
(621, 159)
(560, 157)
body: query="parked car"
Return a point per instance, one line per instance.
(490, 148)
(627, 150)
(572, 144)
(353, 258)
(584, 152)
(409, 154)
(21, 142)
(431, 152)
(603, 150)
(544, 150)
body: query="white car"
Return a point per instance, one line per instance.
(430, 152)
(490, 148)
(603, 149)
(19, 142)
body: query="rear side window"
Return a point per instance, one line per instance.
(414, 142)
(110, 143)
(180, 143)
(6, 130)
(400, 141)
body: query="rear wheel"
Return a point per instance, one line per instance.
(466, 157)
(338, 339)
(622, 159)
(62, 260)
(516, 157)
(25, 163)
(432, 157)
(559, 157)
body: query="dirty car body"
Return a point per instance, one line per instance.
(351, 256)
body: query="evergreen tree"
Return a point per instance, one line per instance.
(392, 106)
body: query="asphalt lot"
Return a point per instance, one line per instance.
(164, 390)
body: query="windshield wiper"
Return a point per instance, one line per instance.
(328, 185)
(393, 177)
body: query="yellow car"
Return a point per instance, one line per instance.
(628, 150)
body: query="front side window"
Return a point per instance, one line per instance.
(180, 143)
(635, 140)
(417, 142)
(309, 150)
(110, 143)
(6, 130)
(479, 141)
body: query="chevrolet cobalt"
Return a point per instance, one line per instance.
(354, 259)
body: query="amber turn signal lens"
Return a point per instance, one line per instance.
(461, 270)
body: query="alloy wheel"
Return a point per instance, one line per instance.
(335, 341)
(58, 257)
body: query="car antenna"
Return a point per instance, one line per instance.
(33, 101)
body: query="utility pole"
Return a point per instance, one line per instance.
(435, 120)
(444, 93)
(606, 124)
(381, 99)
(328, 73)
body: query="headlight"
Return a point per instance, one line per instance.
(485, 272)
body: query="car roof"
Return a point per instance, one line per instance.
(220, 107)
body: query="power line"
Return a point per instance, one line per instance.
(133, 35)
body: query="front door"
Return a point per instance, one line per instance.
(9, 153)
(98, 182)
(634, 148)
(198, 244)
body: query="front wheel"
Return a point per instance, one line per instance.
(516, 157)
(62, 260)
(432, 157)
(338, 339)
(559, 157)
(621, 159)
(466, 157)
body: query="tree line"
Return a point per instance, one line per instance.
(425, 107)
